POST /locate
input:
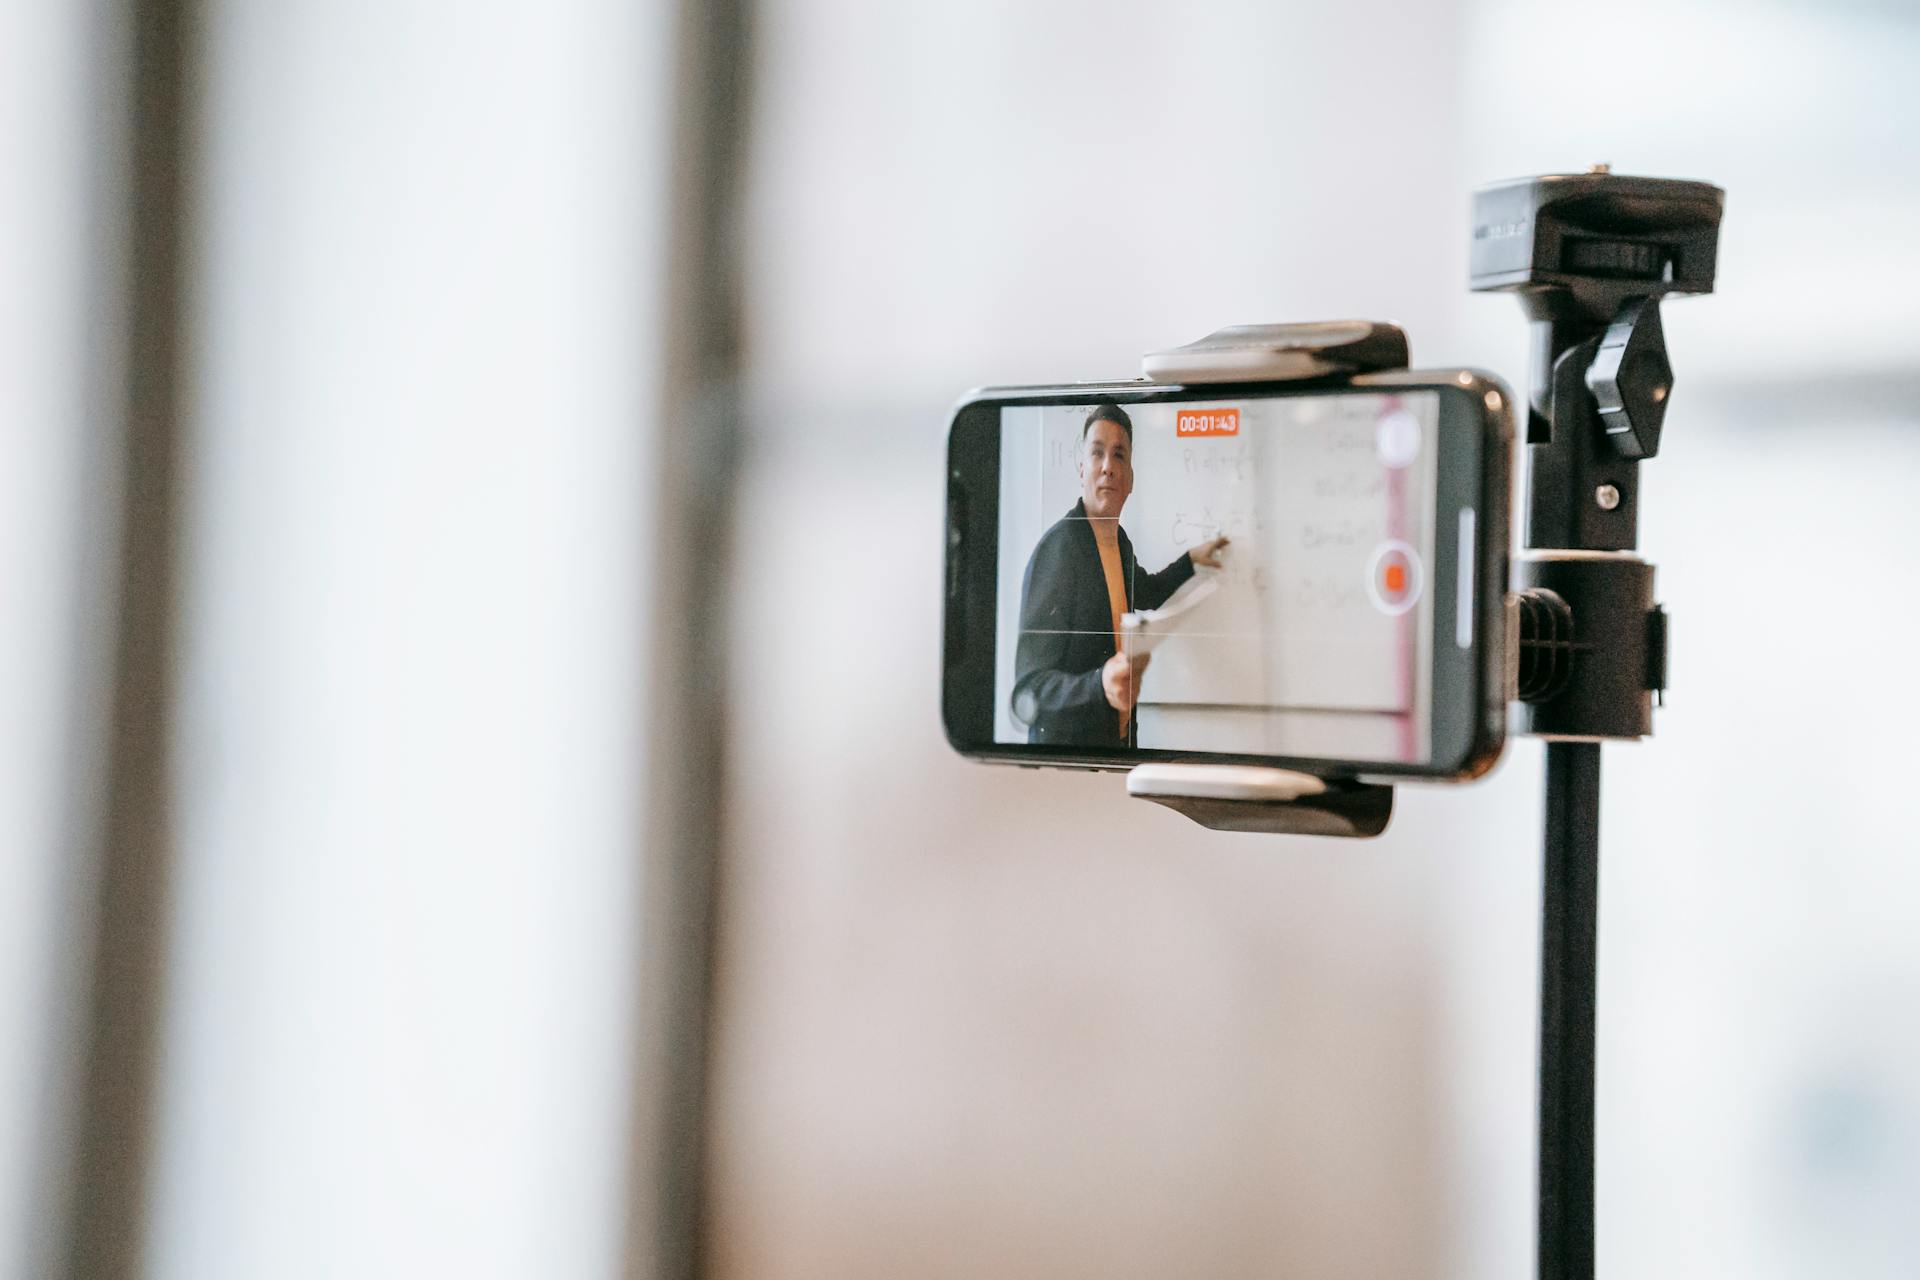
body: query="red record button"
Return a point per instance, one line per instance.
(1393, 579)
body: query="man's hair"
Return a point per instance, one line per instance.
(1108, 413)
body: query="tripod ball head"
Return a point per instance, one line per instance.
(1591, 255)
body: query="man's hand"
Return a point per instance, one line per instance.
(1120, 677)
(1207, 554)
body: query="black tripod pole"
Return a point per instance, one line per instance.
(1569, 959)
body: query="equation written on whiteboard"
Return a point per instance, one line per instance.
(1340, 538)
(1190, 528)
(1236, 524)
(1326, 592)
(1317, 535)
(1350, 486)
(1221, 464)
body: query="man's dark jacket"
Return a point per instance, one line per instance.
(1066, 632)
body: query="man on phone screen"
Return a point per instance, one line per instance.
(1073, 685)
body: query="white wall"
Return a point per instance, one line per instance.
(46, 479)
(425, 364)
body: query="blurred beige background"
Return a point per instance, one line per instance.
(997, 1022)
(970, 1021)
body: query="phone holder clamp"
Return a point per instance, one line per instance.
(1257, 798)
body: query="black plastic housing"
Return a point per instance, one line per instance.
(1587, 242)
(1617, 646)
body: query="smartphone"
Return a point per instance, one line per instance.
(1312, 577)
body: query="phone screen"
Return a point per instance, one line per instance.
(1296, 576)
(1285, 576)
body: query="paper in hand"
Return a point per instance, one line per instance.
(1143, 631)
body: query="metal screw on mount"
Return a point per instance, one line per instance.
(1590, 255)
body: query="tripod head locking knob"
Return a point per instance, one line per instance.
(1631, 379)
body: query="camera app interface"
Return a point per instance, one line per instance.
(1247, 576)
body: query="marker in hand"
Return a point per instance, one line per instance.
(1207, 554)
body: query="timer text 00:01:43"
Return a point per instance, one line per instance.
(1206, 422)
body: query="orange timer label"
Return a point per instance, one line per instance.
(1206, 422)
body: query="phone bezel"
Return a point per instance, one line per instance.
(1475, 443)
